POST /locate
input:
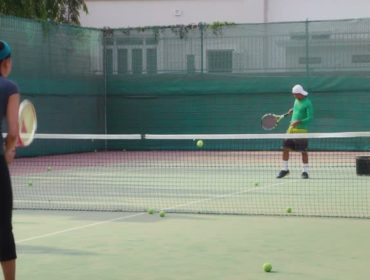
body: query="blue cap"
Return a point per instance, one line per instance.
(6, 51)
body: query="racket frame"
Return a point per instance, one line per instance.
(26, 141)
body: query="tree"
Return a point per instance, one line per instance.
(62, 11)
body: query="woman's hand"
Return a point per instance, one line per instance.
(9, 155)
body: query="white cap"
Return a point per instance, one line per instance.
(299, 89)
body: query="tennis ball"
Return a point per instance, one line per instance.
(29, 183)
(162, 214)
(151, 211)
(256, 184)
(289, 210)
(200, 144)
(267, 267)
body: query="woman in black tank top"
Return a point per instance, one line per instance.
(9, 106)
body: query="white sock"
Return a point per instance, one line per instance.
(305, 167)
(285, 165)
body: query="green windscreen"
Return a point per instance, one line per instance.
(129, 106)
(204, 79)
(60, 69)
(218, 78)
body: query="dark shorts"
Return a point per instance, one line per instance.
(7, 244)
(299, 145)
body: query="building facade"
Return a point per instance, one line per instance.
(134, 13)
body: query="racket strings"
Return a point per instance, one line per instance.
(27, 123)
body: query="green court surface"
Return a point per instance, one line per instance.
(191, 182)
(98, 245)
(226, 216)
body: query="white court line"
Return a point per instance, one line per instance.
(222, 196)
(78, 228)
(140, 214)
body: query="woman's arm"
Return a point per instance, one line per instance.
(13, 129)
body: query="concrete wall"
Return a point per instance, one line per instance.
(132, 13)
(298, 10)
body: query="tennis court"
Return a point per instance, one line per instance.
(96, 245)
(211, 197)
(120, 112)
(200, 181)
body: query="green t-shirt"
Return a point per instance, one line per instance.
(303, 112)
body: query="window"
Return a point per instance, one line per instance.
(321, 36)
(109, 61)
(151, 61)
(220, 60)
(122, 61)
(190, 63)
(361, 58)
(137, 61)
(298, 36)
(310, 60)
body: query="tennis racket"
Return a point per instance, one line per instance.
(270, 121)
(27, 121)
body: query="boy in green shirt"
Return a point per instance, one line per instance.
(302, 115)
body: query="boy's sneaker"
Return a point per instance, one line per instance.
(282, 174)
(304, 175)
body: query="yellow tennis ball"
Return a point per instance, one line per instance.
(162, 214)
(256, 184)
(151, 211)
(289, 210)
(200, 143)
(29, 183)
(267, 267)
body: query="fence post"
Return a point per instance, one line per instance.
(307, 50)
(201, 26)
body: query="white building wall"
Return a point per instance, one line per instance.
(133, 13)
(299, 10)
(254, 48)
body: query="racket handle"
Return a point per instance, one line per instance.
(279, 118)
(19, 142)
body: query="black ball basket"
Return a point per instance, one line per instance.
(363, 165)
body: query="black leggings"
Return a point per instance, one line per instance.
(7, 244)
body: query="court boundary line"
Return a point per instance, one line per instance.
(144, 213)
(77, 228)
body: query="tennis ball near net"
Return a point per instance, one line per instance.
(151, 211)
(267, 267)
(200, 143)
(162, 214)
(289, 210)
(30, 183)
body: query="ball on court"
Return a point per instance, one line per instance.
(267, 267)
(200, 143)
(289, 210)
(30, 184)
(256, 184)
(162, 214)
(151, 211)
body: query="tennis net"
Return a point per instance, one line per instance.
(230, 174)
